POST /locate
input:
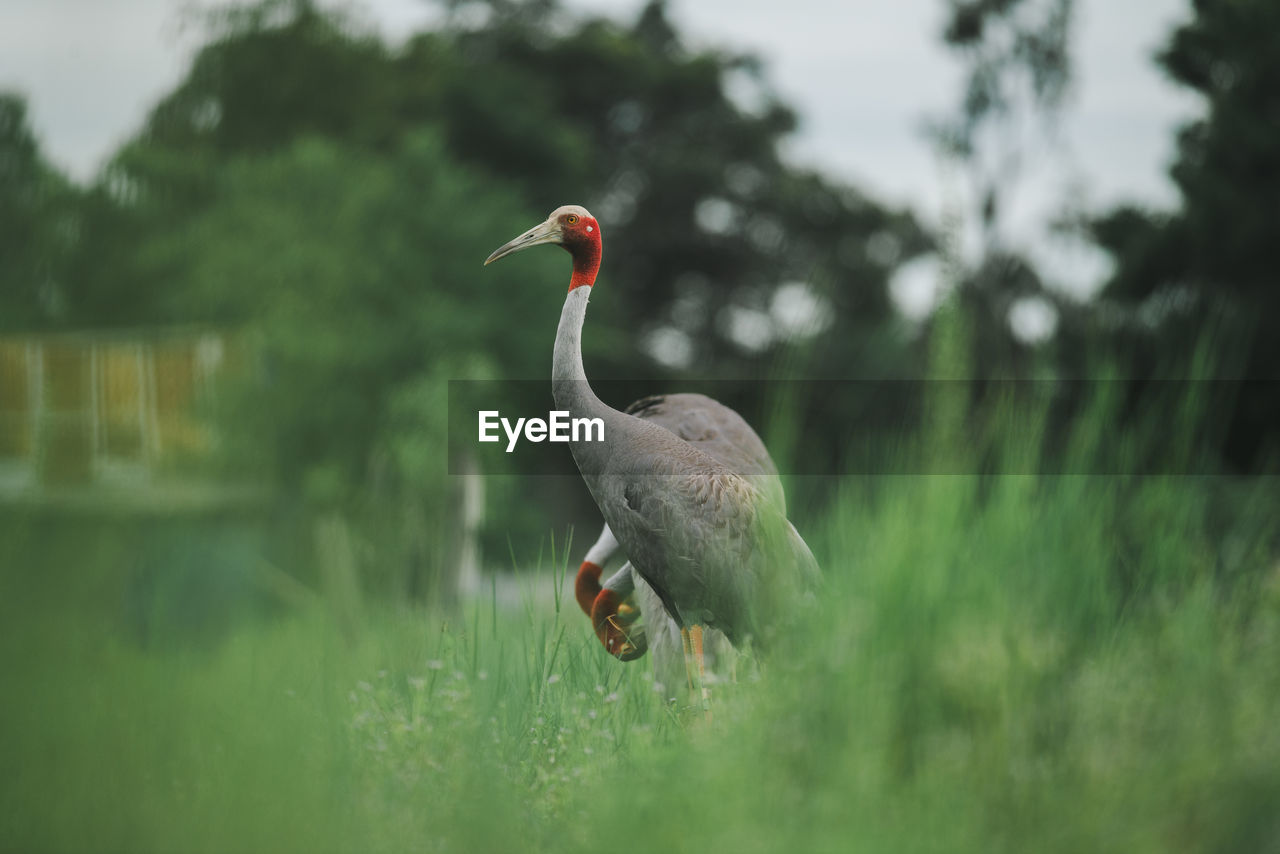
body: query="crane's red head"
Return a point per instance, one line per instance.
(570, 226)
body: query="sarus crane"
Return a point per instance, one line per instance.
(713, 547)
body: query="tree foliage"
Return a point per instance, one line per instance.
(1017, 73)
(1213, 258)
(700, 206)
(38, 225)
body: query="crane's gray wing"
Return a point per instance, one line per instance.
(718, 431)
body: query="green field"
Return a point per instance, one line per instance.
(1002, 663)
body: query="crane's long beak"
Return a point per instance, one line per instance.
(545, 232)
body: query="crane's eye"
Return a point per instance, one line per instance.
(572, 219)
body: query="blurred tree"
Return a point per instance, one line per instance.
(38, 225)
(1017, 59)
(340, 260)
(350, 268)
(711, 223)
(271, 73)
(1214, 257)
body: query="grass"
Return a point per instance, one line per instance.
(999, 663)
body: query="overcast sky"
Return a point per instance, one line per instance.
(91, 69)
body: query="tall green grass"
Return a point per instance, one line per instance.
(997, 663)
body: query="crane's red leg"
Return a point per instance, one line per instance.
(696, 632)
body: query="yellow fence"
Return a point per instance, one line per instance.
(79, 408)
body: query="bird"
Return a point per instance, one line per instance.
(714, 548)
(725, 435)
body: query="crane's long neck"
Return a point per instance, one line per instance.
(569, 384)
(572, 392)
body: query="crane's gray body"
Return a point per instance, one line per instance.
(721, 432)
(715, 548)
